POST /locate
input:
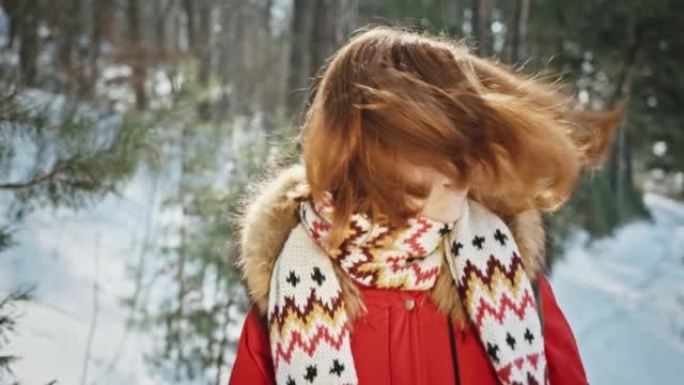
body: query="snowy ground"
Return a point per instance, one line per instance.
(64, 253)
(624, 297)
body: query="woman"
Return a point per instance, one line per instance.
(408, 246)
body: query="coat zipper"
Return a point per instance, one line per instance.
(454, 353)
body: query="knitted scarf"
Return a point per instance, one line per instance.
(309, 329)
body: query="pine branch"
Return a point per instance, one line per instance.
(8, 321)
(58, 168)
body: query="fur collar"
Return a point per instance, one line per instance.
(269, 212)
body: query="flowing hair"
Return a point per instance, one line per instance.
(391, 96)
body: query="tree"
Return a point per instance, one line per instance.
(193, 318)
(102, 29)
(520, 21)
(482, 26)
(77, 155)
(68, 28)
(318, 28)
(302, 27)
(137, 53)
(23, 20)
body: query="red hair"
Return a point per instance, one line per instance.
(391, 96)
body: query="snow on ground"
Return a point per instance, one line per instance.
(64, 252)
(624, 298)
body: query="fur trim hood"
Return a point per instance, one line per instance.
(269, 213)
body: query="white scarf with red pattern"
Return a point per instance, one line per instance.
(310, 331)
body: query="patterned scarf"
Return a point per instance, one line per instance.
(309, 329)
(379, 256)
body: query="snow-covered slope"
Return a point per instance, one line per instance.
(624, 298)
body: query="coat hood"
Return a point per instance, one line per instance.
(269, 213)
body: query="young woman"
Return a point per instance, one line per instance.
(408, 247)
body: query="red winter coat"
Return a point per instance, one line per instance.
(403, 338)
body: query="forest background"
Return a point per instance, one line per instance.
(129, 130)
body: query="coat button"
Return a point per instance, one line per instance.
(409, 304)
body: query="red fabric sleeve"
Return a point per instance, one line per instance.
(562, 355)
(253, 364)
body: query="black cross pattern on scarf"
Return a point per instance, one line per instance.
(293, 279)
(529, 336)
(318, 276)
(500, 237)
(510, 341)
(311, 373)
(478, 241)
(444, 230)
(493, 351)
(291, 381)
(531, 380)
(337, 367)
(456, 248)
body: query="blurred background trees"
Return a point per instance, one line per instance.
(202, 95)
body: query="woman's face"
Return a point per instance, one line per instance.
(446, 199)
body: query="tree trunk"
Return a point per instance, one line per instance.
(163, 10)
(67, 34)
(334, 20)
(520, 20)
(177, 32)
(266, 14)
(482, 30)
(302, 27)
(622, 180)
(204, 44)
(318, 29)
(101, 29)
(183, 194)
(190, 25)
(453, 17)
(29, 42)
(137, 54)
(13, 11)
